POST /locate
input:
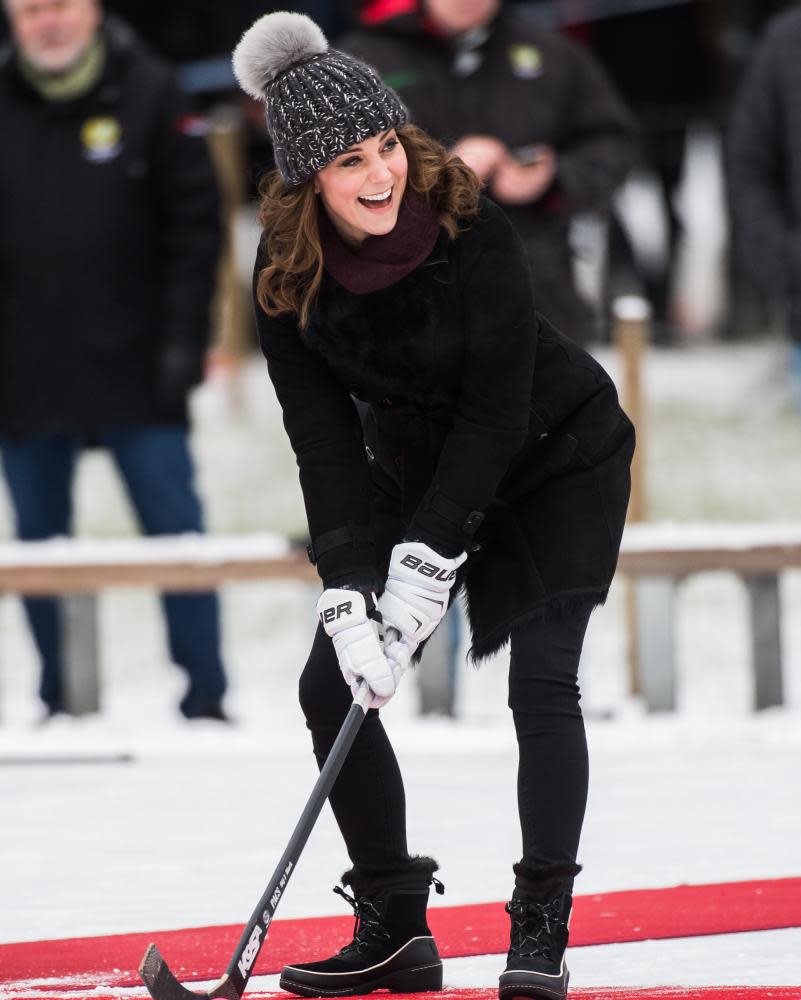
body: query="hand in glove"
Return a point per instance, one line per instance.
(180, 369)
(357, 637)
(416, 595)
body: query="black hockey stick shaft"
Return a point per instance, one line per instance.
(162, 984)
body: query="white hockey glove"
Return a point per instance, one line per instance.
(416, 595)
(358, 642)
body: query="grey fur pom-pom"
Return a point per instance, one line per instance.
(272, 44)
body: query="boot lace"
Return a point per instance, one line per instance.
(535, 927)
(367, 928)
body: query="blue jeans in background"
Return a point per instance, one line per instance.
(156, 468)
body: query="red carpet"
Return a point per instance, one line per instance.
(602, 993)
(595, 993)
(482, 929)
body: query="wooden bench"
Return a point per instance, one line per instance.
(77, 569)
(660, 556)
(657, 556)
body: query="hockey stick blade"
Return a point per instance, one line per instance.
(162, 984)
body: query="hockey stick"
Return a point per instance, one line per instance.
(162, 984)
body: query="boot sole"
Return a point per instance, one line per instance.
(525, 986)
(423, 979)
(414, 968)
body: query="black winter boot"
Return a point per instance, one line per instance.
(392, 947)
(540, 913)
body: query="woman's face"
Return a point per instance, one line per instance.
(362, 189)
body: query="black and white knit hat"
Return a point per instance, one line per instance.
(318, 101)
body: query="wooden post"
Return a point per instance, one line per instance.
(631, 322)
(654, 601)
(437, 671)
(233, 314)
(766, 640)
(632, 316)
(80, 657)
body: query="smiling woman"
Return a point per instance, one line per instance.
(295, 228)
(384, 275)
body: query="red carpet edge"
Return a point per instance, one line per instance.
(481, 929)
(586, 993)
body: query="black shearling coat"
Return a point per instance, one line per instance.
(485, 429)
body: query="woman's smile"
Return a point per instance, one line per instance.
(377, 202)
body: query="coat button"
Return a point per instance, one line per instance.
(473, 522)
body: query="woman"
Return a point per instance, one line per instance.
(385, 279)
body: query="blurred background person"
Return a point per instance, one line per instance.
(669, 95)
(530, 111)
(108, 251)
(764, 173)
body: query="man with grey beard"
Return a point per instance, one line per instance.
(108, 254)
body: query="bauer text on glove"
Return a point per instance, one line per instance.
(418, 586)
(357, 641)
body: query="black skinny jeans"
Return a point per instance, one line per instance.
(368, 799)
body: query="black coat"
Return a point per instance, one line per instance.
(528, 85)
(472, 405)
(109, 235)
(764, 165)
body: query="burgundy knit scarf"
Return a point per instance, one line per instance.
(381, 261)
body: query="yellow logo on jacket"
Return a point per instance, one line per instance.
(101, 138)
(525, 60)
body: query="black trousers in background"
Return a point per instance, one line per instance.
(368, 798)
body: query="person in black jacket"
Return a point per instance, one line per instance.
(530, 111)
(764, 173)
(493, 455)
(108, 251)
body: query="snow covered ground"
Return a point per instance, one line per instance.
(137, 821)
(186, 832)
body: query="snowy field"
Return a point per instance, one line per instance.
(137, 821)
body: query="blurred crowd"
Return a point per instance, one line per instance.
(111, 235)
(672, 65)
(676, 64)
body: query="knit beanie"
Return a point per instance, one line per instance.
(318, 101)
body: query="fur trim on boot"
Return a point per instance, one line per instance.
(539, 912)
(538, 885)
(417, 872)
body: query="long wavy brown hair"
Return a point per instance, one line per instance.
(291, 240)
